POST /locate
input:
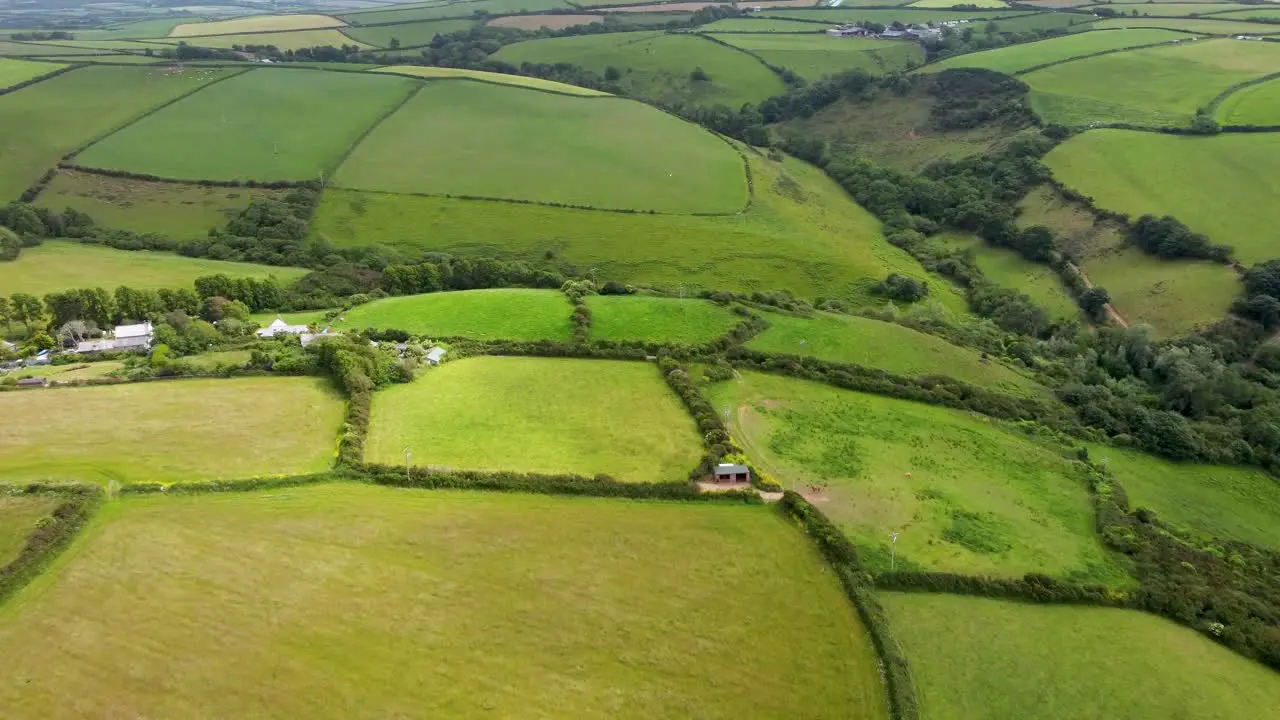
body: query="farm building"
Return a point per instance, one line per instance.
(848, 31)
(33, 382)
(435, 355)
(280, 327)
(125, 337)
(730, 472)
(308, 337)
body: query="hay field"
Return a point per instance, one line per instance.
(889, 347)
(966, 494)
(409, 34)
(816, 56)
(1210, 25)
(1152, 86)
(14, 72)
(176, 431)
(658, 319)
(472, 139)
(545, 415)
(1254, 105)
(802, 232)
(1007, 268)
(18, 517)
(255, 24)
(57, 116)
(978, 658)
(423, 71)
(294, 40)
(656, 66)
(258, 126)
(363, 601)
(1017, 58)
(505, 314)
(551, 22)
(1222, 186)
(58, 265)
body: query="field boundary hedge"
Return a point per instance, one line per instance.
(1096, 54)
(541, 203)
(41, 78)
(364, 135)
(50, 537)
(265, 184)
(1214, 104)
(461, 78)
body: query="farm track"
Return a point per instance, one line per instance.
(1112, 314)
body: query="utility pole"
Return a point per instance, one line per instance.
(407, 457)
(893, 551)
(594, 283)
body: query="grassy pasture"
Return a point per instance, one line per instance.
(389, 603)
(58, 265)
(966, 494)
(548, 415)
(177, 210)
(183, 430)
(506, 314)
(762, 25)
(802, 233)
(429, 73)
(1168, 9)
(1043, 21)
(138, 29)
(1209, 25)
(69, 373)
(18, 517)
(1260, 12)
(293, 40)
(306, 317)
(1254, 105)
(657, 319)
(256, 24)
(886, 16)
(409, 34)
(1212, 501)
(27, 49)
(1018, 58)
(1007, 268)
(975, 658)
(450, 10)
(258, 126)
(41, 123)
(551, 22)
(13, 72)
(955, 3)
(1136, 173)
(1153, 86)
(656, 65)
(816, 56)
(466, 138)
(886, 346)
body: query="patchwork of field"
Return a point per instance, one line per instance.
(1168, 9)
(762, 25)
(18, 517)
(1227, 25)
(1153, 86)
(972, 658)
(543, 415)
(394, 603)
(257, 126)
(551, 22)
(1007, 268)
(816, 56)
(256, 24)
(964, 493)
(658, 319)
(1013, 59)
(471, 139)
(430, 73)
(1254, 105)
(885, 16)
(450, 10)
(57, 116)
(958, 3)
(409, 34)
(1221, 186)
(886, 346)
(25, 49)
(801, 232)
(1259, 12)
(178, 431)
(295, 40)
(1043, 21)
(657, 66)
(507, 314)
(16, 72)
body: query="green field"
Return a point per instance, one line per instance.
(1007, 268)
(956, 3)
(762, 25)
(886, 16)
(69, 373)
(409, 34)
(1254, 105)
(544, 415)
(258, 126)
(1262, 12)
(1233, 503)
(25, 49)
(472, 139)
(181, 211)
(1230, 199)
(966, 494)
(255, 24)
(58, 265)
(816, 56)
(551, 22)
(1169, 9)
(978, 658)
(41, 123)
(14, 72)
(423, 71)
(1153, 86)
(508, 314)
(386, 603)
(449, 10)
(886, 346)
(658, 319)
(1228, 25)
(801, 233)
(308, 317)
(1018, 58)
(295, 40)
(18, 517)
(1044, 21)
(155, 28)
(657, 66)
(177, 431)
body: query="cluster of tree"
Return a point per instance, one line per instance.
(38, 36)
(1168, 238)
(577, 292)
(971, 97)
(437, 272)
(1261, 302)
(973, 37)
(902, 289)
(715, 438)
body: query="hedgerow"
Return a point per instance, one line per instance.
(51, 536)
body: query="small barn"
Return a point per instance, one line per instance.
(280, 327)
(730, 472)
(435, 355)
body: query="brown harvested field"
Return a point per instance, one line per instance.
(551, 22)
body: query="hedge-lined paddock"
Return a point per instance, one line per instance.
(73, 506)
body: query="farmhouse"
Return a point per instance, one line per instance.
(125, 337)
(848, 31)
(729, 472)
(280, 327)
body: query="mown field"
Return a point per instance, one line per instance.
(255, 24)
(801, 233)
(886, 346)
(409, 34)
(367, 601)
(507, 314)
(1227, 25)
(1152, 86)
(14, 72)
(295, 40)
(472, 139)
(1018, 58)
(657, 66)
(658, 319)
(965, 494)
(18, 517)
(816, 56)
(544, 415)
(422, 71)
(178, 431)
(57, 116)
(977, 658)
(58, 265)
(258, 126)
(1007, 268)
(1254, 105)
(181, 211)
(1221, 186)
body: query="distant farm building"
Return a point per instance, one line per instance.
(280, 327)
(435, 355)
(729, 472)
(124, 337)
(32, 382)
(309, 337)
(848, 31)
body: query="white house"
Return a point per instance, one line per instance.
(280, 327)
(125, 337)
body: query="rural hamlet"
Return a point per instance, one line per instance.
(126, 338)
